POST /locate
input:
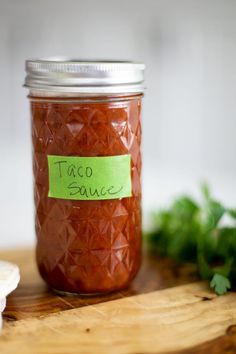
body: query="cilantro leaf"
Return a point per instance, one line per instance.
(204, 269)
(189, 231)
(220, 284)
(214, 212)
(232, 213)
(205, 191)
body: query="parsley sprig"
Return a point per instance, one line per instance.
(189, 231)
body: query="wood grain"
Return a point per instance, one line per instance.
(158, 322)
(186, 319)
(33, 298)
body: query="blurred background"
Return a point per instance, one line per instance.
(189, 115)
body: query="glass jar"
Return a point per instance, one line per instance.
(86, 135)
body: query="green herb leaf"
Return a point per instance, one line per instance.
(214, 212)
(203, 267)
(232, 213)
(191, 232)
(205, 191)
(220, 284)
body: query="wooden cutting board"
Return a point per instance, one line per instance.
(165, 310)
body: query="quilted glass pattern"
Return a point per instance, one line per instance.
(87, 246)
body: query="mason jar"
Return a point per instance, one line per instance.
(86, 135)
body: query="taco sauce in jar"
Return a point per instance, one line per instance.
(86, 135)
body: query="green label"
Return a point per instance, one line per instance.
(89, 178)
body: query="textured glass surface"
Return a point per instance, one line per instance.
(87, 246)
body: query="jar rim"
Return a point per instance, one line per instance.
(58, 74)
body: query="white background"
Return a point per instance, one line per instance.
(189, 116)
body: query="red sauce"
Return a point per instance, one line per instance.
(87, 246)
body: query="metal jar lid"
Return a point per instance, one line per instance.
(59, 75)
